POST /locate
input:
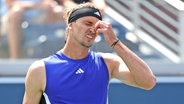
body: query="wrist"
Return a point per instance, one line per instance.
(114, 43)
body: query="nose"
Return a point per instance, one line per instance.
(92, 29)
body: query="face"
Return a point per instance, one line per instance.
(83, 31)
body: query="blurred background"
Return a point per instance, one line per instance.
(153, 29)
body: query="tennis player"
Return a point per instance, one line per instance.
(77, 75)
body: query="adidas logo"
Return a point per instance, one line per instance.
(97, 13)
(79, 71)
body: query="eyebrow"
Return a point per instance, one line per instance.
(88, 22)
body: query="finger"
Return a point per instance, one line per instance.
(100, 24)
(100, 27)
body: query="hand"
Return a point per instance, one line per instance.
(107, 30)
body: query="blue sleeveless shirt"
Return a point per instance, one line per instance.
(83, 81)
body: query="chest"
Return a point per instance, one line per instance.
(73, 81)
(76, 77)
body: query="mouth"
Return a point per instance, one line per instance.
(90, 36)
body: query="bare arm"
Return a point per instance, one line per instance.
(25, 4)
(137, 73)
(30, 5)
(128, 68)
(34, 83)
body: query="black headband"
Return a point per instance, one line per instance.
(84, 12)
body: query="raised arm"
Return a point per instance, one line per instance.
(34, 83)
(127, 66)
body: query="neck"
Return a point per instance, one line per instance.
(75, 52)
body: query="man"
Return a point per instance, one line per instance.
(76, 75)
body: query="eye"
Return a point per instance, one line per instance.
(88, 24)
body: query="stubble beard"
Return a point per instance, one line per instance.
(85, 45)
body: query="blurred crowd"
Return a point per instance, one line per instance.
(17, 14)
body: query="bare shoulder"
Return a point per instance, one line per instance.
(36, 74)
(34, 83)
(37, 67)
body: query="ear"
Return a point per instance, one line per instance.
(69, 25)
